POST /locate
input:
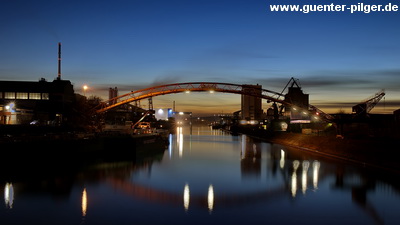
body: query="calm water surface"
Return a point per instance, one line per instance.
(209, 177)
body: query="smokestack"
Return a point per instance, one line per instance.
(59, 61)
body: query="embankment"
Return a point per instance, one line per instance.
(381, 153)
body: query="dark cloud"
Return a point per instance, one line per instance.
(171, 78)
(122, 88)
(335, 80)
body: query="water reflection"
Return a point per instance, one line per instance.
(296, 164)
(84, 202)
(282, 161)
(305, 166)
(210, 198)
(209, 184)
(186, 197)
(316, 166)
(170, 145)
(9, 195)
(179, 140)
(250, 163)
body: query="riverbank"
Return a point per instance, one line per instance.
(45, 149)
(381, 153)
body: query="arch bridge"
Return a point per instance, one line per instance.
(190, 87)
(243, 89)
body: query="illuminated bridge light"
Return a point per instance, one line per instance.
(210, 198)
(186, 197)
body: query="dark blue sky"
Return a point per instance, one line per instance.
(340, 58)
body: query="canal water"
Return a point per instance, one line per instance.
(206, 176)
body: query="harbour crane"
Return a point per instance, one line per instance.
(364, 107)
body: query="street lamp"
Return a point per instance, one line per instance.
(85, 87)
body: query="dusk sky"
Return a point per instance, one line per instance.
(340, 58)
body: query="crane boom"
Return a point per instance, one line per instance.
(366, 106)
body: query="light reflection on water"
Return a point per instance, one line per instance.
(209, 177)
(9, 195)
(84, 202)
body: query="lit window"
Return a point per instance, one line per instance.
(34, 96)
(22, 95)
(9, 95)
(45, 96)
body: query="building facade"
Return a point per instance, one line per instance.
(251, 105)
(25, 102)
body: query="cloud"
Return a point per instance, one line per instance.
(171, 78)
(336, 80)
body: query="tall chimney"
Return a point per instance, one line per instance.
(59, 61)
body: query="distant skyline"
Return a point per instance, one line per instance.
(339, 58)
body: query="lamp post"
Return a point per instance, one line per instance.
(85, 87)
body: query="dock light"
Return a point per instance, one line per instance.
(10, 106)
(187, 91)
(211, 91)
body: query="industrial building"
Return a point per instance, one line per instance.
(251, 107)
(25, 102)
(41, 102)
(297, 109)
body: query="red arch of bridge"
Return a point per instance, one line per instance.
(189, 87)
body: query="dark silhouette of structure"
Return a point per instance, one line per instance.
(23, 102)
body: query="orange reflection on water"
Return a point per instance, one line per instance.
(84, 202)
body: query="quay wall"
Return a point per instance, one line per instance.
(375, 152)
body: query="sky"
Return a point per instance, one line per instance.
(339, 58)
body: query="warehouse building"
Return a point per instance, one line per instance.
(28, 102)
